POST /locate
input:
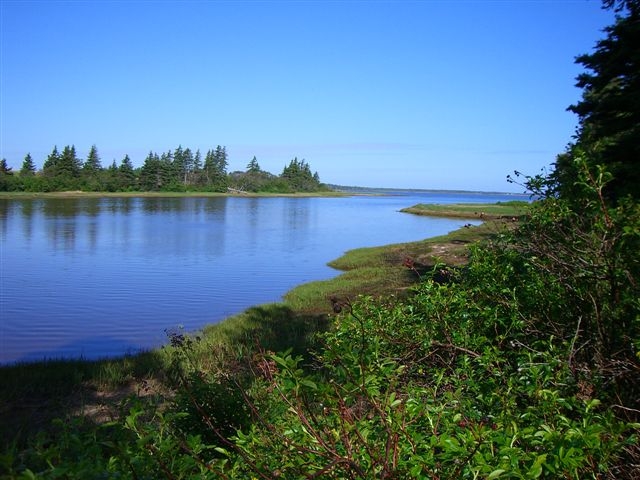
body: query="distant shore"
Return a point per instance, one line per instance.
(81, 194)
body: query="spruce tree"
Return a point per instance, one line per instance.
(92, 165)
(5, 169)
(28, 167)
(609, 111)
(253, 166)
(69, 165)
(126, 173)
(51, 163)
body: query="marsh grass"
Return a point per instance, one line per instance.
(380, 271)
(512, 209)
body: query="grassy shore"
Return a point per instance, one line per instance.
(35, 393)
(483, 211)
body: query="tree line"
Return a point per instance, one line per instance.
(178, 170)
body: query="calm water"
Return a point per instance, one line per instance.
(104, 277)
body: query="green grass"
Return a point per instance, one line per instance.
(512, 209)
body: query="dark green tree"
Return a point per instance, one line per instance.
(69, 165)
(609, 111)
(179, 164)
(126, 174)
(28, 167)
(5, 169)
(253, 166)
(298, 175)
(7, 180)
(196, 174)
(51, 163)
(215, 169)
(150, 173)
(187, 166)
(92, 165)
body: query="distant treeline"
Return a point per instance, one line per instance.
(179, 170)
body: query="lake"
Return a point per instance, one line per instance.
(101, 277)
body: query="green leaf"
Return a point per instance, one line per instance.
(309, 383)
(496, 473)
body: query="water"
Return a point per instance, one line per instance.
(92, 278)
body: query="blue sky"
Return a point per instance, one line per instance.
(412, 94)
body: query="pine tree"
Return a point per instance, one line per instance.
(69, 165)
(51, 163)
(28, 167)
(253, 166)
(150, 178)
(215, 168)
(221, 159)
(609, 111)
(5, 169)
(92, 165)
(126, 173)
(187, 166)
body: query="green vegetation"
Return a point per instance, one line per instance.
(524, 363)
(180, 170)
(512, 209)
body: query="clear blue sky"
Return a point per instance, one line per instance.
(413, 94)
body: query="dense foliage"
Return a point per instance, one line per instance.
(179, 170)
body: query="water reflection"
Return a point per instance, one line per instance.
(27, 219)
(87, 223)
(5, 207)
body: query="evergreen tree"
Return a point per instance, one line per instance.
(5, 169)
(197, 169)
(92, 165)
(609, 111)
(168, 170)
(179, 169)
(187, 166)
(28, 167)
(299, 177)
(221, 159)
(51, 163)
(253, 166)
(150, 177)
(126, 173)
(69, 165)
(215, 168)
